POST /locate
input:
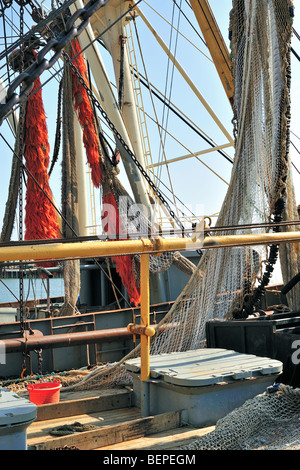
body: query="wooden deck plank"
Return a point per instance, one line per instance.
(168, 440)
(105, 435)
(118, 427)
(78, 404)
(39, 431)
(93, 392)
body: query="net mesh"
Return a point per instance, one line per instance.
(223, 283)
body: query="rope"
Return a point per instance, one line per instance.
(11, 203)
(66, 429)
(69, 197)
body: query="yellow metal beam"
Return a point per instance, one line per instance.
(215, 43)
(145, 316)
(196, 154)
(143, 246)
(93, 249)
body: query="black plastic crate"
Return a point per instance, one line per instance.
(270, 336)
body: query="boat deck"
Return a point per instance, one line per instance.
(116, 424)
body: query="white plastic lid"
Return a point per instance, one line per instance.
(203, 367)
(15, 409)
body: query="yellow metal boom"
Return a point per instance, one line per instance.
(215, 43)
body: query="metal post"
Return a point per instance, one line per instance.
(145, 339)
(145, 331)
(81, 179)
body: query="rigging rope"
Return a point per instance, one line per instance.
(163, 99)
(159, 127)
(69, 196)
(163, 141)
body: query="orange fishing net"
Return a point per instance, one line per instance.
(41, 218)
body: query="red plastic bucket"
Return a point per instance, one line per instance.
(44, 392)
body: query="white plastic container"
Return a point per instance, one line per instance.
(206, 383)
(16, 414)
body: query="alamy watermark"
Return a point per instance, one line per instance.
(129, 220)
(2, 353)
(296, 354)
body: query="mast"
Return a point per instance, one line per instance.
(109, 103)
(83, 221)
(115, 42)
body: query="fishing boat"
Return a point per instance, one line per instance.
(170, 317)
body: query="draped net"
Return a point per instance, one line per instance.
(229, 282)
(260, 182)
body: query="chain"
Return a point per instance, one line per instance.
(21, 146)
(40, 360)
(36, 29)
(122, 141)
(21, 271)
(28, 77)
(37, 13)
(57, 141)
(4, 5)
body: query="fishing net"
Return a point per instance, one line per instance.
(269, 421)
(230, 282)
(122, 218)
